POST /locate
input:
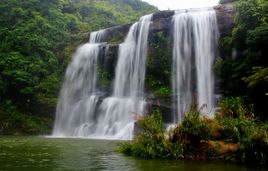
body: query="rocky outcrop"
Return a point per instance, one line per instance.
(225, 18)
(227, 1)
(162, 21)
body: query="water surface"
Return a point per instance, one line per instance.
(40, 153)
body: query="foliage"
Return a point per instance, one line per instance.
(260, 76)
(254, 147)
(239, 126)
(233, 135)
(244, 71)
(158, 70)
(151, 143)
(163, 91)
(192, 129)
(13, 121)
(234, 107)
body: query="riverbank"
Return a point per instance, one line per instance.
(232, 135)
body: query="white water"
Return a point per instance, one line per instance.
(78, 99)
(195, 39)
(118, 111)
(81, 112)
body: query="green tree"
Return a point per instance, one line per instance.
(246, 75)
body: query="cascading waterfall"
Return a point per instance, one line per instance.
(117, 119)
(195, 41)
(78, 96)
(81, 112)
(85, 111)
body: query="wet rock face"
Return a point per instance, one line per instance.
(162, 21)
(227, 1)
(225, 17)
(117, 34)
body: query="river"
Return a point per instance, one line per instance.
(41, 153)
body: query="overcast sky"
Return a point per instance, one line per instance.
(181, 4)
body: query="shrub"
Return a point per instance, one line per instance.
(254, 148)
(15, 122)
(234, 135)
(192, 129)
(236, 119)
(235, 107)
(240, 126)
(151, 143)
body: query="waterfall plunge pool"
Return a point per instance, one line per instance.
(40, 153)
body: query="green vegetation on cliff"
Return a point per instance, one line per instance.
(37, 40)
(244, 70)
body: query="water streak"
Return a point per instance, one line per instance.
(118, 111)
(78, 96)
(195, 41)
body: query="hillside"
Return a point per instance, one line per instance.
(37, 40)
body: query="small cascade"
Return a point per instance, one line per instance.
(97, 36)
(195, 41)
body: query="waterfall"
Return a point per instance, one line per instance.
(195, 41)
(118, 112)
(78, 96)
(84, 110)
(81, 112)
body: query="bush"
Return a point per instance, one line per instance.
(193, 129)
(240, 126)
(235, 107)
(254, 148)
(233, 135)
(151, 143)
(236, 119)
(14, 122)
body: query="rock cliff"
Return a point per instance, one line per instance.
(162, 21)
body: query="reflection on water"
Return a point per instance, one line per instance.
(38, 153)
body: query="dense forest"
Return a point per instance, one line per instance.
(38, 38)
(244, 69)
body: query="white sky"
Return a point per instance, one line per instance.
(181, 4)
